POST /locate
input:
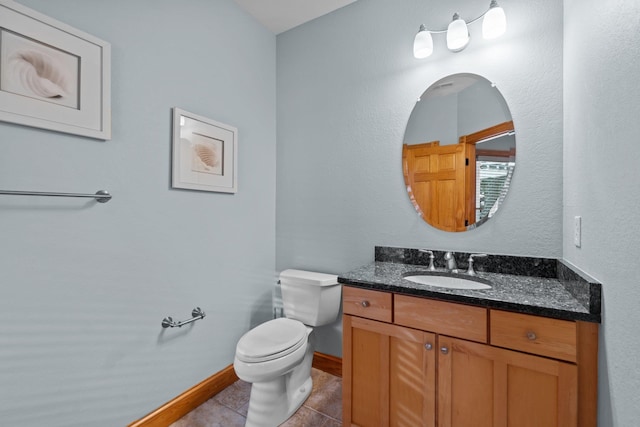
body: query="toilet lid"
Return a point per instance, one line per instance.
(271, 340)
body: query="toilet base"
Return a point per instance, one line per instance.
(271, 403)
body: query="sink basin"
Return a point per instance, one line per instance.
(447, 281)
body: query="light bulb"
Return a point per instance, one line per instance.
(423, 43)
(494, 23)
(457, 34)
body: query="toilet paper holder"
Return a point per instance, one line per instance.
(197, 314)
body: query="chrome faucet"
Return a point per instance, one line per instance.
(431, 257)
(450, 261)
(470, 270)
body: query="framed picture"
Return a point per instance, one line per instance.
(205, 154)
(53, 76)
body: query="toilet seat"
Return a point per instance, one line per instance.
(271, 340)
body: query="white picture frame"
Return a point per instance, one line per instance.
(205, 154)
(53, 76)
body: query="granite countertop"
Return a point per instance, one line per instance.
(543, 296)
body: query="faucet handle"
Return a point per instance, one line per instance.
(431, 257)
(470, 270)
(471, 256)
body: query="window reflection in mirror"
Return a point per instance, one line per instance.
(459, 152)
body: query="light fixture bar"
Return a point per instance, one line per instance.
(493, 26)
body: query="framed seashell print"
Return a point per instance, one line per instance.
(53, 76)
(205, 154)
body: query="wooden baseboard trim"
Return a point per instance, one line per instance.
(180, 406)
(328, 363)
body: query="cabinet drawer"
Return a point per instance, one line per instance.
(365, 303)
(533, 334)
(456, 320)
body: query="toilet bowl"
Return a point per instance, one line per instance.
(280, 384)
(276, 356)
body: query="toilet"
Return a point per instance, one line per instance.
(275, 357)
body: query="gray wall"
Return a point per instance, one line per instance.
(601, 153)
(84, 287)
(442, 110)
(445, 118)
(481, 106)
(346, 85)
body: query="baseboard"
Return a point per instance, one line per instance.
(328, 363)
(180, 406)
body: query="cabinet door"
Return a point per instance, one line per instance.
(388, 375)
(481, 386)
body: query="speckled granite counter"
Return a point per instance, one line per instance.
(569, 296)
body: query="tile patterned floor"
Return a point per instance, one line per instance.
(228, 408)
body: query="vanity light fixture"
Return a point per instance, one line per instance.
(457, 34)
(494, 25)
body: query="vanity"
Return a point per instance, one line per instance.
(433, 338)
(521, 353)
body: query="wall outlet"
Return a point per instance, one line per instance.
(577, 231)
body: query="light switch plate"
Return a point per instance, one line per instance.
(577, 231)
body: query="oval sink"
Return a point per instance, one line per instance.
(447, 281)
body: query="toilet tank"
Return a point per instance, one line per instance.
(312, 298)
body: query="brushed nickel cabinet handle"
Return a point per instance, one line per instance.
(531, 335)
(444, 350)
(365, 303)
(428, 346)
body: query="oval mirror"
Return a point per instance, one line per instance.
(458, 153)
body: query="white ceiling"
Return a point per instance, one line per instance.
(282, 15)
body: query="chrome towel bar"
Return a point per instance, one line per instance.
(197, 314)
(101, 196)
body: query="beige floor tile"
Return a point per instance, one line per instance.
(327, 396)
(235, 396)
(320, 378)
(244, 409)
(229, 407)
(211, 414)
(330, 422)
(305, 417)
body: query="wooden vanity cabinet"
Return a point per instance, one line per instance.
(391, 376)
(435, 363)
(480, 385)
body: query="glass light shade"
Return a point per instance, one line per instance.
(494, 23)
(457, 35)
(422, 44)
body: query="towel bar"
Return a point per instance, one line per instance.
(101, 196)
(197, 314)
